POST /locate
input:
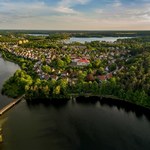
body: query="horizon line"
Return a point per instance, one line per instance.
(72, 30)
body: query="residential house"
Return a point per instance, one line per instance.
(109, 75)
(64, 74)
(102, 77)
(83, 62)
(54, 77)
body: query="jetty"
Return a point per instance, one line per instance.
(10, 105)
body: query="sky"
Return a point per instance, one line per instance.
(75, 14)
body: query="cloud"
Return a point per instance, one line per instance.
(18, 11)
(65, 14)
(22, 7)
(66, 10)
(66, 6)
(35, 13)
(118, 11)
(99, 11)
(72, 2)
(117, 3)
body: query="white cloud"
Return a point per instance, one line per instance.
(64, 9)
(120, 12)
(99, 11)
(66, 6)
(72, 2)
(38, 15)
(117, 3)
(22, 8)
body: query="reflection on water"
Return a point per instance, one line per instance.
(76, 126)
(6, 70)
(2, 121)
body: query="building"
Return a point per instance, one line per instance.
(102, 77)
(83, 62)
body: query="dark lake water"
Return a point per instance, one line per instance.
(97, 125)
(7, 69)
(75, 126)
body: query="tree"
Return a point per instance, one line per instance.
(81, 76)
(67, 59)
(56, 90)
(95, 87)
(24, 66)
(90, 77)
(100, 71)
(112, 67)
(97, 63)
(46, 68)
(46, 91)
(60, 63)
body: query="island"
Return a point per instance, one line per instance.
(52, 69)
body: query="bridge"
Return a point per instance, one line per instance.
(10, 105)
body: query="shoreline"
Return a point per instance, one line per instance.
(84, 94)
(10, 105)
(86, 98)
(108, 97)
(114, 101)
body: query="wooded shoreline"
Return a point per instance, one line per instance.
(47, 71)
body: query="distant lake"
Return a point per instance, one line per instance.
(38, 34)
(83, 39)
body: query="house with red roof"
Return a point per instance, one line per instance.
(75, 60)
(83, 62)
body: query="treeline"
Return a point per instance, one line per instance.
(78, 32)
(37, 89)
(109, 33)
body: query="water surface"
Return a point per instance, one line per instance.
(35, 34)
(75, 126)
(7, 69)
(83, 39)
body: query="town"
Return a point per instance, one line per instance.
(54, 69)
(72, 59)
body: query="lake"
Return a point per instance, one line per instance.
(83, 39)
(7, 69)
(35, 34)
(76, 126)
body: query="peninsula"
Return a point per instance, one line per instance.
(54, 69)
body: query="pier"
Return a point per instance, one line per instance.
(10, 105)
